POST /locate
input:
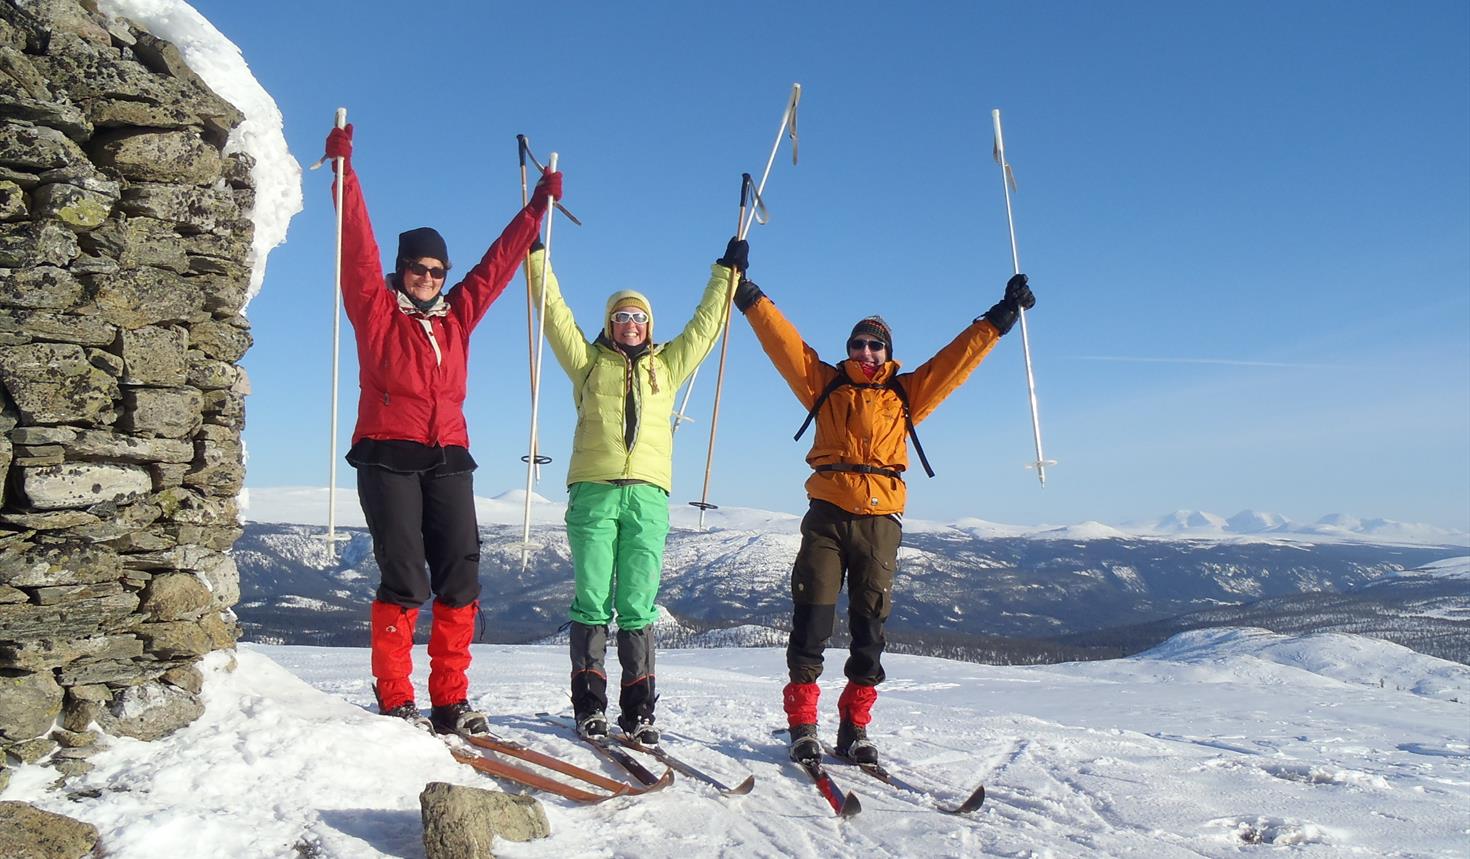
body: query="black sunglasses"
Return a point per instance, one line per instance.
(858, 343)
(420, 269)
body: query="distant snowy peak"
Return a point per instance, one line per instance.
(1082, 531)
(1252, 522)
(1191, 521)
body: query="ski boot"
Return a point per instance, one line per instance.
(459, 718)
(853, 744)
(640, 731)
(804, 743)
(409, 713)
(592, 726)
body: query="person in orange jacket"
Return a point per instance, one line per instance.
(411, 446)
(864, 409)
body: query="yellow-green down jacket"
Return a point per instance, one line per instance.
(601, 374)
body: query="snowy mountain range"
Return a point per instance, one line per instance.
(967, 589)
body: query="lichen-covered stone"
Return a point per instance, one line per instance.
(147, 296)
(155, 355)
(33, 243)
(150, 711)
(83, 484)
(29, 703)
(175, 596)
(13, 204)
(36, 147)
(78, 208)
(27, 832)
(164, 156)
(29, 325)
(222, 340)
(167, 412)
(40, 288)
(55, 383)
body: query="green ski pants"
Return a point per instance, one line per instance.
(617, 536)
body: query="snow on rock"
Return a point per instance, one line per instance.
(218, 61)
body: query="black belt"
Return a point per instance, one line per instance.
(860, 469)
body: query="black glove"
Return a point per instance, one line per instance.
(537, 245)
(1006, 311)
(747, 294)
(737, 255)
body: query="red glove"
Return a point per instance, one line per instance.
(548, 187)
(339, 144)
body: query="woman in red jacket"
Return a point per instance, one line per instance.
(410, 446)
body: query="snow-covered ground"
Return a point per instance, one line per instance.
(1324, 745)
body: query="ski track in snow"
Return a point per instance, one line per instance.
(1208, 747)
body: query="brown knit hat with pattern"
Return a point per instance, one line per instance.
(875, 327)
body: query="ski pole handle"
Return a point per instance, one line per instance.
(1000, 142)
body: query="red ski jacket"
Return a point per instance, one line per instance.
(412, 366)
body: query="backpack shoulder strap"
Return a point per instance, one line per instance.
(903, 397)
(837, 381)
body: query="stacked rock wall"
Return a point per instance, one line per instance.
(123, 242)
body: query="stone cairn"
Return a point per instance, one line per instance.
(123, 245)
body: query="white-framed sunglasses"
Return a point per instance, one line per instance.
(623, 317)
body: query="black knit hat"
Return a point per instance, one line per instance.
(422, 242)
(874, 326)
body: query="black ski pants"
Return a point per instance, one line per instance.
(416, 520)
(838, 547)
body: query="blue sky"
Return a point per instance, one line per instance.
(1247, 225)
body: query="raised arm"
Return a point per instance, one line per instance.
(797, 362)
(692, 345)
(363, 292)
(937, 378)
(573, 351)
(471, 297)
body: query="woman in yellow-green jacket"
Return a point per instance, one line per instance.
(619, 479)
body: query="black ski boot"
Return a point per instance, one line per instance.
(459, 718)
(592, 725)
(804, 743)
(640, 730)
(854, 745)
(409, 712)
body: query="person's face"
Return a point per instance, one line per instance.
(867, 349)
(420, 280)
(627, 328)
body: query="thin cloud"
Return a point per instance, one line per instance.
(1229, 362)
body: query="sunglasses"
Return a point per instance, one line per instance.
(420, 269)
(857, 344)
(623, 317)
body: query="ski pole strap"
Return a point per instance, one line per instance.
(859, 469)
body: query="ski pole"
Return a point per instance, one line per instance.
(536, 374)
(788, 118)
(703, 502)
(341, 122)
(534, 457)
(1008, 183)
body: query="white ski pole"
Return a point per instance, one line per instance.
(535, 457)
(788, 118)
(336, 341)
(536, 375)
(1008, 182)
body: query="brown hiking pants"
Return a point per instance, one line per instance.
(838, 547)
